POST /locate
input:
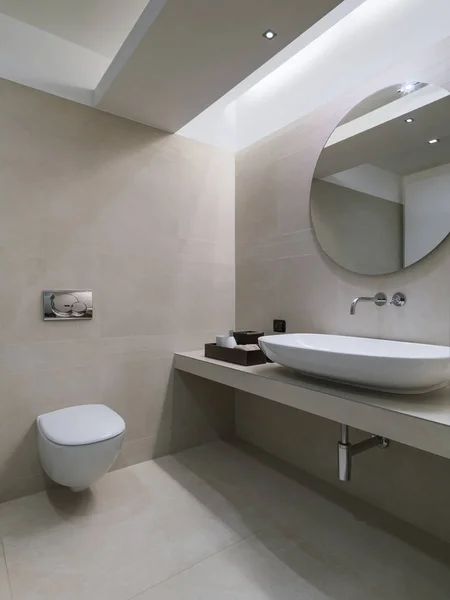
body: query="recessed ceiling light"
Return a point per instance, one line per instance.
(269, 34)
(409, 120)
(407, 87)
(433, 141)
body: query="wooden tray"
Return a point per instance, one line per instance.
(247, 358)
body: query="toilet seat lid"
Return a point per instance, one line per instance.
(81, 425)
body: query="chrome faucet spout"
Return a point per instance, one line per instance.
(379, 299)
(360, 299)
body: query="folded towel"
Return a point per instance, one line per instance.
(247, 347)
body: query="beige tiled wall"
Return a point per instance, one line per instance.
(145, 219)
(281, 273)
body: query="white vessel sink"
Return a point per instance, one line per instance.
(385, 365)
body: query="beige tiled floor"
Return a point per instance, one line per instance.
(213, 523)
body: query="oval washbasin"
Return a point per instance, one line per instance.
(384, 365)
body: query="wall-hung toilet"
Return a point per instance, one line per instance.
(78, 445)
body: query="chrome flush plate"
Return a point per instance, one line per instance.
(68, 305)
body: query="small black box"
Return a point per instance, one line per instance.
(247, 337)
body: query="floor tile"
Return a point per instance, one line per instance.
(248, 570)
(135, 528)
(119, 493)
(180, 487)
(212, 522)
(112, 560)
(265, 566)
(337, 553)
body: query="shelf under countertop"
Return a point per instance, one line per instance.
(418, 420)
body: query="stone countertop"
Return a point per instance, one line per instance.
(418, 420)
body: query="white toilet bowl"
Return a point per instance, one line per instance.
(78, 445)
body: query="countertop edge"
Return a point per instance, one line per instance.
(350, 407)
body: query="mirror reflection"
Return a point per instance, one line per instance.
(380, 197)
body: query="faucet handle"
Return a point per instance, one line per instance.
(398, 299)
(380, 299)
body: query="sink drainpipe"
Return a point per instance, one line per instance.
(346, 451)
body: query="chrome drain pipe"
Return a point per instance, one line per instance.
(346, 451)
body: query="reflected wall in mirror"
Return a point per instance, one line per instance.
(380, 197)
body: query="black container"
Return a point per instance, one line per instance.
(247, 337)
(247, 358)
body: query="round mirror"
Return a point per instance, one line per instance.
(380, 197)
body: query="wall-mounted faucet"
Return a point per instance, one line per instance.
(379, 299)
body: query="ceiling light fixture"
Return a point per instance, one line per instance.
(407, 87)
(409, 120)
(269, 34)
(433, 141)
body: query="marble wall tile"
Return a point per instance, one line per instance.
(294, 280)
(143, 218)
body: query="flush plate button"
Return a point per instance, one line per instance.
(68, 305)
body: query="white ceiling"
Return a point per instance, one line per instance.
(394, 146)
(197, 50)
(375, 37)
(97, 25)
(204, 62)
(160, 62)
